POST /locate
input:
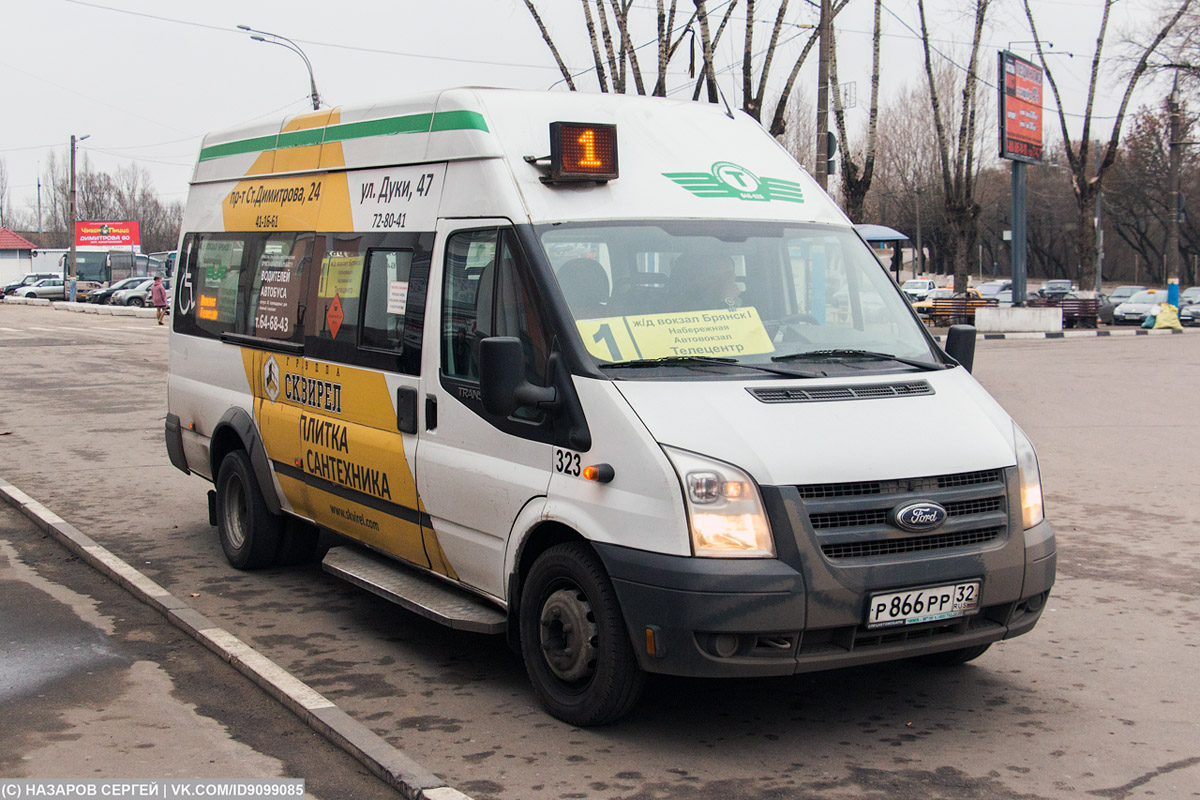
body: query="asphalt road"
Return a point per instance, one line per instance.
(1099, 701)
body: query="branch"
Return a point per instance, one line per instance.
(566, 73)
(777, 124)
(591, 29)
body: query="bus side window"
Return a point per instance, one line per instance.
(276, 286)
(386, 300)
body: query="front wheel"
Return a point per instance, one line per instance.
(249, 532)
(573, 639)
(137, 301)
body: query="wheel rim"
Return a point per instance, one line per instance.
(568, 635)
(235, 514)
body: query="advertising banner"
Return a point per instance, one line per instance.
(1020, 109)
(120, 233)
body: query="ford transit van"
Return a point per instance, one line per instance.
(609, 376)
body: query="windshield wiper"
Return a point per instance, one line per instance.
(724, 362)
(850, 353)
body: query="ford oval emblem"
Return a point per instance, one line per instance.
(922, 516)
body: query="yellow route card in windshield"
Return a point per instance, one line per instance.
(718, 333)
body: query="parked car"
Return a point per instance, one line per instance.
(104, 296)
(1119, 295)
(918, 288)
(992, 288)
(46, 288)
(133, 295)
(1004, 298)
(1189, 296)
(1134, 310)
(1056, 288)
(1190, 315)
(139, 294)
(25, 280)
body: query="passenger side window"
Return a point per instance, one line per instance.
(218, 271)
(277, 286)
(488, 292)
(386, 299)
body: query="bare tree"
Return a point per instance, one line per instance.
(958, 168)
(856, 180)
(1078, 152)
(611, 35)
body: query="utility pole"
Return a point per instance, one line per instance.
(39, 176)
(920, 250)
(71, 227)
(826, 57)
(1173, 217)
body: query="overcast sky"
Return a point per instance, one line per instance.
(147, 78)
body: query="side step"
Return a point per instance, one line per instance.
(419, 593)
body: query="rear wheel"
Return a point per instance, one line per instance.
(952, 657)
(573, 639)
(249, 532)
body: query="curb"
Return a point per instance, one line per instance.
(1073, 334)
(82, 308)
(398, 770)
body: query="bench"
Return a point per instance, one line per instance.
(1077, 312)
(956, 310)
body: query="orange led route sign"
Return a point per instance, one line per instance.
(120, 233)
(1020, 109)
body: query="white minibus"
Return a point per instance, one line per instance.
(610, 376)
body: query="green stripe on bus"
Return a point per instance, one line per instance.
(459, 121)
(236, 148)
(412, 123)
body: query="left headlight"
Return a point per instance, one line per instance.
(1030, 478)
(725, 512)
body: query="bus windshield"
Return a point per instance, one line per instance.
(747, 292)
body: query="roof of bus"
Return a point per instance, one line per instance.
(666, 146)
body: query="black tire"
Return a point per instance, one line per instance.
(136, 301)
(249, 532)
(951, 658)
(583, 680)
(299, 544)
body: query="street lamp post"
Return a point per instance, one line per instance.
(71, 229)
(288, 44)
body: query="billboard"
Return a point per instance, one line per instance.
(1020, 109)
(121, 233)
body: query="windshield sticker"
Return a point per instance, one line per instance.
(719, 333)
(730, 181)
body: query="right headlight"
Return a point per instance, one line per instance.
(1030, 479)
(725, 513)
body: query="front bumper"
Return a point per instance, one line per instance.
(801, 613)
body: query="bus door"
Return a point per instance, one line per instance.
(477, 472)
(357, 428)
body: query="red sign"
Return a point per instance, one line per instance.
(1020, 109)
(334, 316)
(123, 233)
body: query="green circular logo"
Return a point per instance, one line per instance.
(736, 177)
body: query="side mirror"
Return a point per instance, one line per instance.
(502, 384)
(960, 345)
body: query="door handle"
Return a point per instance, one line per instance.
(430, 413)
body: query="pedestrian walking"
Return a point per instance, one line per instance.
(158, 298)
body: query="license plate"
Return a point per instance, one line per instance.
(914, 606)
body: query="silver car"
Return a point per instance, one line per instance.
(1134, 310)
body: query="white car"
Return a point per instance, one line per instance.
(918, 288)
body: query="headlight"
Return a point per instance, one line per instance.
(725, 514)
(1030, 479)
